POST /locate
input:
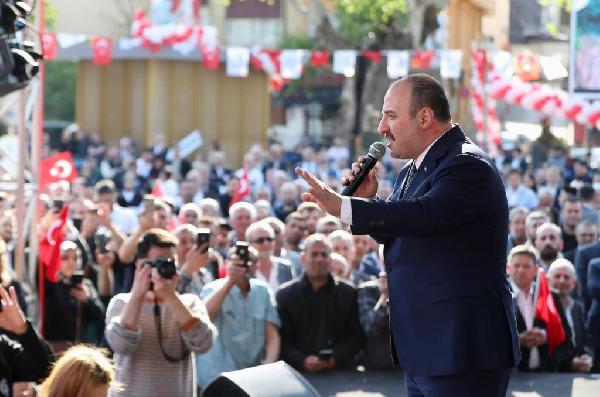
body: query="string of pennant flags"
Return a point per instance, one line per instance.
(287, 64)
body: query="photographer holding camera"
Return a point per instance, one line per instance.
(152, 329)
(244, 311)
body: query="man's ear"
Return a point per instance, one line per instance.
(425, 118)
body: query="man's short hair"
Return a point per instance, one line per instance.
(535, 215)
(222, 223)
(571, 200)
(191, 207)
(308, 206)
(524, 249)
(185, 227)
(341, 235)
(314, 238)
(271, 220)
(327, 220)
(242, 205)
(294, 216)
(587, 193)
(549, 225)
(155, 237)
(516, 212)
(104, 186)
(427, 92)
(562, 263)
(584, 224)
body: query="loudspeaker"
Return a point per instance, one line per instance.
(269, 380)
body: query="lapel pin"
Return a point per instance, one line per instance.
(425, 169)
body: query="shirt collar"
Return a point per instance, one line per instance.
(419, 160)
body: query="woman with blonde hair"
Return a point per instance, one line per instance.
(82, 371)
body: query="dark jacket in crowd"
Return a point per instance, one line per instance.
(583, 257)
(375, 322)
(23, 358)
(312, 321)
(69, 320)
(593, 289)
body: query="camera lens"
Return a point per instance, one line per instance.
(165, 267)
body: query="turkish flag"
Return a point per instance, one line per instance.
(102, 49)
(210, 57)
(421, 60)
(59, 167)
(50, 245)
(49, 45)
(319, 58)
(373, 56)
(545, 309)
(243, 189)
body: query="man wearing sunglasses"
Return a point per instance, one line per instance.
(319, 314)
(271, 269)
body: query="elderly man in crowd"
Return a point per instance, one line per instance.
(241, 216)
(563, 279)
(586, 233)
(534, 220)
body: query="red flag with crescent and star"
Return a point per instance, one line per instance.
(59, 167)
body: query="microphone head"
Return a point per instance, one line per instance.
(377, 150)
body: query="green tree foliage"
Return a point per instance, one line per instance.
(59, 90)
(361, 20)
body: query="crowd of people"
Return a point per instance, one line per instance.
(197, 279)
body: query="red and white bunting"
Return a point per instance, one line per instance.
(102, 50)
(397, 64)
(49, 45)
(344, 62)
(292, 64)
(238, 59)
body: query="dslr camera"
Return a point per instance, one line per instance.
(164, 266)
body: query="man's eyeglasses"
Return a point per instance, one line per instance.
(260, 240)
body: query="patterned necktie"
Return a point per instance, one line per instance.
(409, 178)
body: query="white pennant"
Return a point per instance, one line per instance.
(128, 43)
(450, 64)
(397, 64)
(344, 62)
(238, 59)
(66, 40)
(292, 62)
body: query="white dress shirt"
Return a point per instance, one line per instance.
(346, 210)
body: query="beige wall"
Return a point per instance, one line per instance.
(141, 99)
(109, 18)
(496, 23)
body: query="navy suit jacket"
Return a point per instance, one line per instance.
(451, 309)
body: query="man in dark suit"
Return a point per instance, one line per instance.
(583, 257)
(444, 229)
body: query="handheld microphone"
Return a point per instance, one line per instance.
(376, 152)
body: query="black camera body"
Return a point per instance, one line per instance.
(101, 241)
(164, 266)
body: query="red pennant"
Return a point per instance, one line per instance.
(545, 310)
(421, 60)
(210, 58)
(59, 167)
(277, 82)
(319, 59)
(49, 45)
(373, 56)
(102, 48)
(157, 190)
